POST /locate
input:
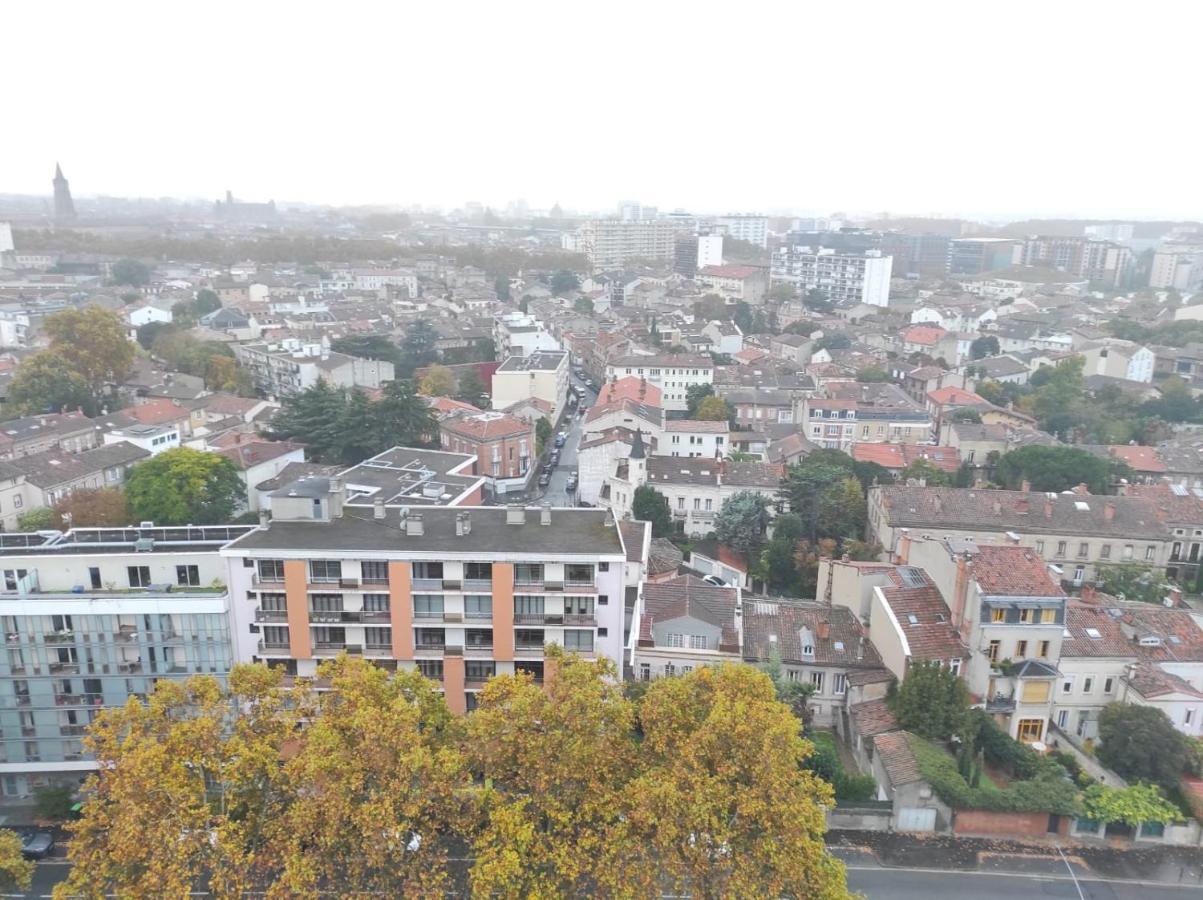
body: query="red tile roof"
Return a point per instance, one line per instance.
(246, 456)
(897, 758)
(931, 634)
(696, 426)
(487, 426)
(730, 271)
(923, 334)
(1083, 621)
(690, 596)
(1007, 570)
(630, 388)
(1141, 459)
(873, 717)
(955, 396)
(899, 456)
(158, 412)
(1150, 681)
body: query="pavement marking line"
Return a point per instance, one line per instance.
(1024, 875)
(1081, 896)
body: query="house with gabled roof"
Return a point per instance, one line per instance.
(684, 623)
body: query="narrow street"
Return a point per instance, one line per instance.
(557, 491)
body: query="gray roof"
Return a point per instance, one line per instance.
(410, 476)
(539, 361)
(54, 467)
(572, 532)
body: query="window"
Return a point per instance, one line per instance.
(1063, 718)
(954, 666)
(1048, 617)
(1031, 730)
(1188, 717)
(478, 606)
(139, 576)
(697, 642)
(1035, 691)
(998, 614)
(528, 605)
(528, 573)
(645, 672)
(1062, 546)
(1067, 686)
(840, 681)
(428, 571)
(578, 573)
(603, 632)
(325, 570)
(478, 571)
(1088, 684)
(1128, 548)
(676, 640)
(603, 599)
(1105, 551)
(579, 640)
(603, 567)
(1083, 549)
(1040, 547)
(1021, 649)
(1150, 552)
(271, 570)
(995, 646)
(375, 603)
(428, 606)
(18, 502)
(188, 576)
(1109, 685)
(431, 668)
(816, 678)
(374, 571)
(1044, 648)
(1027, 616)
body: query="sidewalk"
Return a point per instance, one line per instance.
(1165, 865)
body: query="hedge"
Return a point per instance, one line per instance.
(1049, 791)
(825, 762)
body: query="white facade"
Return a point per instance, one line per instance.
(710, 250)
(541, 376)
(610, 243)
(154, 439)
(687, 437)
(751, 228)
(674, 375)
(844, 278)
(519, 334)
(144, 315)
(1178, 266)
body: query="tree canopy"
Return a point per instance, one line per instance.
(48, 381)
(1059, 468)
(437, 381)
(184, 487)
(1132, 805)
(713, 409)
(694, 395)
(564, 281)
(368, 346)
(931, 701)
(1132, 580)
(130, 271)
(742, 522)
(986, 345)
(91, 343)
(1140, 743)
(649, 505)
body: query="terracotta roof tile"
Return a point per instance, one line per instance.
(690, 596)
(838, 638)
(873, 717)
(894, 749)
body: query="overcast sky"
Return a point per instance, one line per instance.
(974, 109)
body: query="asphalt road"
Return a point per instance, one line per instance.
(901, 884)
(557, 490)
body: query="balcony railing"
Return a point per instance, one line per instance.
(580, 619)
(350, 584)
(77, 699)
(427, 584)
(69, 730)
(60, 667)
(529, 649)
(130, 667)
(429, 614)
(377, 649)
(60, 637)
(478, 649)
(271, 615)
(333, 616)
(538, 619)
(378, 615)
(430, 648)
(276, 647)
(260, 581)
(474, 684)
(478, 585)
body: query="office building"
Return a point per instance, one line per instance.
(844, 278)
(917, 255)
(973, 256)
(461, 594)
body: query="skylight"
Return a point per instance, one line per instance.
(839, 645)
(1081, 506)
(1093, 634)
(912, 618)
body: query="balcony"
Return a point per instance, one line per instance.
(429, 615)
(538, 619)
(377, 616)
(130, 668)
(580, 619)
(474, 684)
(349, 584)
(266, 582)
(76, 699)
(271, 615)
(427, 584)
(478, 585)
(333, 648)
(273, 648)
(58, 668)
(334, 617)
(60, 637)
(528, 649)
(72, 730)
(430, 649)
(451, 584)
(377, 650)
(478, 649)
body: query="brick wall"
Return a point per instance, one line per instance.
(1029, 824)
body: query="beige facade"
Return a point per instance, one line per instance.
(541, 376)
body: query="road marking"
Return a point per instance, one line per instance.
(1081, 896)
(1025, 875)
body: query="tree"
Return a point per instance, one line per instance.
(1140, 743)
(986, 345)
(931, 701)
(40, 519)
(95, 342)
(1056, 469)
(542, 435)
(380, 792)
(782, 292)
(316, 416)
(1056, 400)
(184, 487)
(794, 693)
(1131, 805)
(649, 505)
(834, 341)
(184, 791)
(965, 414)
(48, 381)
(564, 281)
(437, 381)
(742, 522)
(713, 409)
(694, 395)
(53, 804)
(873, 374)
(188, 312)
(583, 305)
(149, 333)
(130, 271)
(816, 299)
(1133, 581)
(418, 348)
(722, 773)
(550, 829)
(401, 418)
(470, 387)
(927, 471)
(501, 287)
(368, 346)
(777, 561)
(93, 508)
(16, 872)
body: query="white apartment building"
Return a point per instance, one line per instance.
(542, 375)
(14, 328)
(674, 374)
(1119, 359)
(611, 243)
(746, 227)
(293, 365)
(844, 278)
(519, 334)
(696, 438)
(710, 250)
(1177, 266)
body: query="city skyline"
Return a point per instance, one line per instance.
(867, 124)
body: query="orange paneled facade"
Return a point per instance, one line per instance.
(296, 592)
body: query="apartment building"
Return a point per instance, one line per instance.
(1178, 266)
(292, 366)
(844, 278)
(613, 243)
(748, 284)
(748, 227)
(673, 374)
(696, 438)
(864, 413)
(43, 479)
(459, 593)
(519, 334)
(502, 445)
(1116, 358)
(1076, 532)
(70, 432)
(542, 375)
(1099, 261)
(92, 617)
(974, 256)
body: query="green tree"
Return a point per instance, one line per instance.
(742, 522)
(368, 346)
(931, 701)
(16, 872)
(694, 395)
(543, 435)
(777, 561)
(95, 342)
(437, 381)
(48, 381)
(1132, 805)
(872, 374)
(501, 287)
(470, 387)
(1140, 743)
(965, 414)
(649, 505)
(41, 518)
(986, 345)
(583, 305)
(418, 348)
(834, 341)
(185, 487)
(54, 803)
(713, 409)
(401, 418)
(564, 281)
(1057, 397)
(130, 271)
(931, 474)
(782, 292)
(1057, 468)
(149, 333)
(1133, 581)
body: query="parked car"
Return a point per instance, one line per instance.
(544, 479)
(572, 482)
(36, 844)
(714, 580)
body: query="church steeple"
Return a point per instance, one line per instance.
(64, 206)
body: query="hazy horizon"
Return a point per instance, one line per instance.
(1066, 111)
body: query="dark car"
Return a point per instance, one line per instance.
(544, 479)
(36, 844)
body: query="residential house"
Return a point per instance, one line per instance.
(684, 623)
(71, 432)
(258, 460)
(673, 374)
(43, 479)
(696, 437)
(747, 284)
(502, 445)
(542, 375)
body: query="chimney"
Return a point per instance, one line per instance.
(609, 522)
(413, 524)
(823, 630)
(1109, 511)
(1088, 594)
(378, 508)
(515, 515)
(961, 592)
(545, 514)
(459, 524)
(1082, 488)
(902, 554)
(1026, 486)
(264, 518)
(1048, 508)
